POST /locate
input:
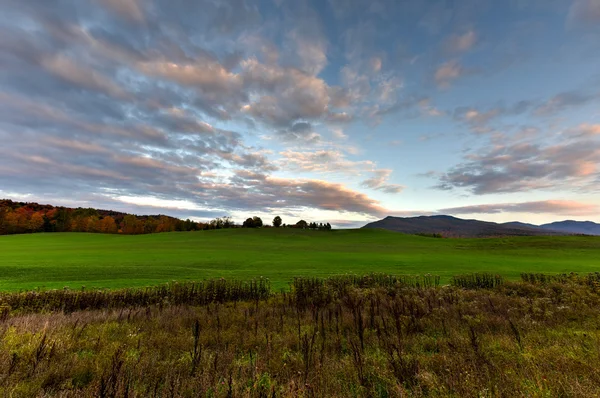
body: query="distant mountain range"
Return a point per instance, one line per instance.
(449, 226)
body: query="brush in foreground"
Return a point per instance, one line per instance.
(371, 336)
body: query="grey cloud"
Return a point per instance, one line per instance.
(584, 130)
(130, 9)
(524, 167)
(438, 15)
(563, 101)
(300, 132)
(583, 12)
(477, 120)
(460, 43)
(324, 161)
(481, 120)
(558, 207)
(68, 70)
(339, 118)
(404, 105)
(379, 182)
(129, 98)
(168, 43)
(305, 44)
(262, 191)
(254, 161)
(448, 72)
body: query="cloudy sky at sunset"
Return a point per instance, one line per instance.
(341, 110)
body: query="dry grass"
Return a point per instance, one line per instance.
(516, 339)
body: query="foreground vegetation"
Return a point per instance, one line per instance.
(115, 261)
(378, 336)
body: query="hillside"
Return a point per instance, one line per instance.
(102, 260)
(574, 227)
(449, 226)
(30, 217)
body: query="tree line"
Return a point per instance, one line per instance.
(256, 222)
(22, 217)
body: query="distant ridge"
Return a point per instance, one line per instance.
(449, 226)
(574, 227)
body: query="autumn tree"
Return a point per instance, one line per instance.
(131, 225)
(165, 224)
(36, 222)
(107, 225)
(3, 211)
(19, 217)
(62, 219)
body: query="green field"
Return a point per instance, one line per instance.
(94, 260)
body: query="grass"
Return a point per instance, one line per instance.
(371, 336)
(115, 261)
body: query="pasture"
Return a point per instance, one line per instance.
(56, 260)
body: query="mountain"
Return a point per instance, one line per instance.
(574, 227)
(519, 224)
(449, 226)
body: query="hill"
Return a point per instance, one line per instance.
(449, 226)
(102, 260)
(30, 217)
(574, 227)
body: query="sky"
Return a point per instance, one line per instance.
(341, 111)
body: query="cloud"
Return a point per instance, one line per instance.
(460, 43)
(523, 167)
(195, 101)
(379, 182)
(438, 15)
(301, 133)
(324, 161)
(339, 118)
(448, 72)
(406, 106)
(429, 110)
(584, 130)
(132, 99)
(308, 44)
(478, 121)
(338, 133)
(130, 9)
(557, 207)
(288, 95)
(583, 13)
(66, 69)
(563, 101)
(272, 193)
(335, 162)
(213, 82)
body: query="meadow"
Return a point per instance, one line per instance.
(371, 331)
(56, 260)
(371, 336)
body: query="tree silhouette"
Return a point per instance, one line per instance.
(302, 224)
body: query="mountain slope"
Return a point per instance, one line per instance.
(456, 227)
(574, 227)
